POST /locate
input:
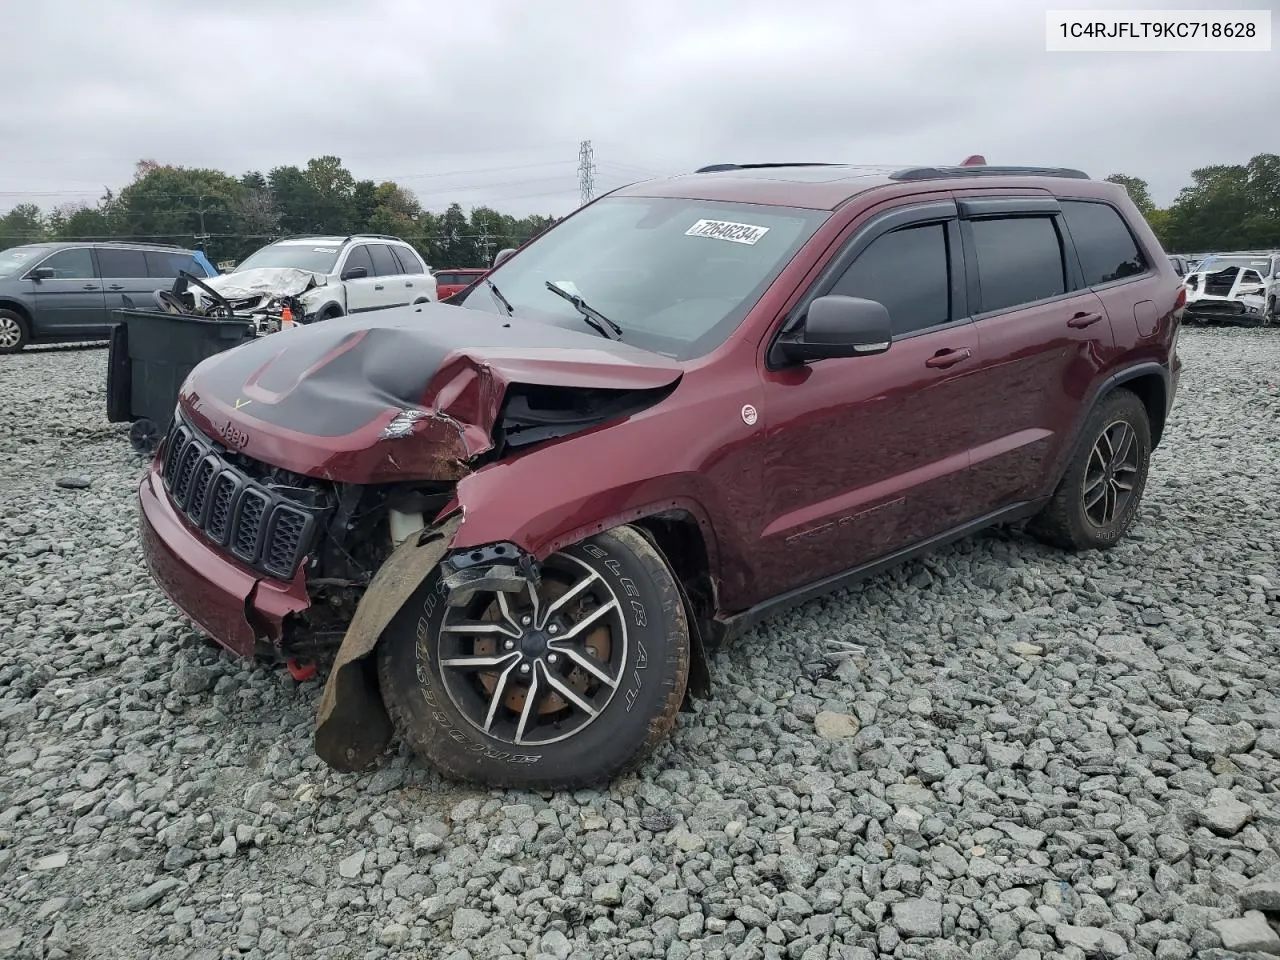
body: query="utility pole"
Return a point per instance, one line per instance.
(484, 240)
(202, 237)
(586, 172)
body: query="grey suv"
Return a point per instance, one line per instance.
(51, 292)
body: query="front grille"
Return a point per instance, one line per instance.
(260, 527)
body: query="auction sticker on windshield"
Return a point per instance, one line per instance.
(727, 230)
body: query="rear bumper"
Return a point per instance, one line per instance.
(237, 607)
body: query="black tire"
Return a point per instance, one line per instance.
(329, 313)
(636, 713)
(14, 332)
(144, 436)
(1075, 522)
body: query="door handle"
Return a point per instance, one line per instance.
(90, 286)
(378, 287)
(408, 283)
(116, 286)
(948, 358)
(1082, 320)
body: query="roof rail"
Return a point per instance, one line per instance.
(380, 236)
(142, 243)
(717, 167)
(947, 173)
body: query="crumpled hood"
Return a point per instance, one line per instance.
(337, 385)
(264, 281)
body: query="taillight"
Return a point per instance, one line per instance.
(1181, 301)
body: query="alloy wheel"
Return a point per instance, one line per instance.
(1111, 473)
(10, 333)
(539, 666)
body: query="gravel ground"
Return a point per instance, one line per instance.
(1021, 754)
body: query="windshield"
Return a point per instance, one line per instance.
(301, 256)
(17, 259)
(677, 276)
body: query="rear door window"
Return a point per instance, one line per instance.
(905, 270)
(121, 264)
(384, 263)
(1106, 248)
(1019, 261)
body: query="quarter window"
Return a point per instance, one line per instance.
(166, 265)
(1019, 261)
(905, 270)
(71, 264)
(1103, 242)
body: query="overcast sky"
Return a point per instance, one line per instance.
(485, 101)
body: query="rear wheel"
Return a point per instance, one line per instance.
(1097, 499)
(563, 685)
(14, 334)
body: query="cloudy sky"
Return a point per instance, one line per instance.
(485, 101)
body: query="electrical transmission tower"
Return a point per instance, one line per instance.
(586, 172)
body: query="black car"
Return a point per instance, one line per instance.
(59, 292)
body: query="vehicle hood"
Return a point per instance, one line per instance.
(312, 398)
(264, 281)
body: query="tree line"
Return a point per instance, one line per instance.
(1226, 207)
(230, 217)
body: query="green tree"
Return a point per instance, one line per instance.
(171, 204)
(334, 194)
(23, 224)
(1228, 207)
(453, 245)
(1138, 191)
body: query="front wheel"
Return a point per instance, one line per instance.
(565, 685)
(1097, 500)
(13, 332)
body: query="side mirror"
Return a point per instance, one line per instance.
(838, 326)
(503, 255)
(355, 273)
(41, 273)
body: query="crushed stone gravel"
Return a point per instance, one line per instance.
(1022, 754)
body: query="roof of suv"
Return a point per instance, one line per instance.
(337, 240)
(139, 244)
(826, 186)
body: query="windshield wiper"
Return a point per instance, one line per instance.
(497, 295)
(597, 320)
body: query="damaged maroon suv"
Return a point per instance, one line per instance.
(510, 527)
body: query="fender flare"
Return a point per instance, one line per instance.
(353, 727)
(1100, 393)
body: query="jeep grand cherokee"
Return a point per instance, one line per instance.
(513, 532)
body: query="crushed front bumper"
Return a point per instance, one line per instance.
(239, 608)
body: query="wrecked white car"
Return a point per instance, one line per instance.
(305, 279)
(1233, 289)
